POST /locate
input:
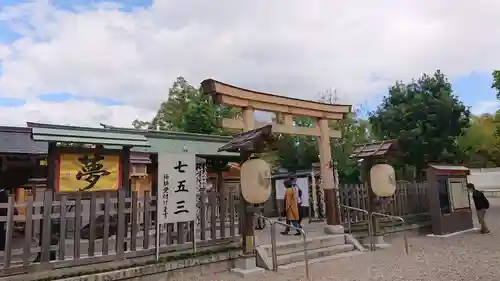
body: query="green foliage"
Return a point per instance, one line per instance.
(496, 86)
(496, 82)
(354, 131)
(427, 119)
(187, 109)
(297, 152)
(480, 144)
(300, 152)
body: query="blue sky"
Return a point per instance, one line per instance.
(7, 35)
(473, 89)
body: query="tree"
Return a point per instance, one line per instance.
(496, 82)
(426, 118)
(496, 86)
(187, 109)
(297, 152)
(354, 131)
(300, 152)
(480, 144)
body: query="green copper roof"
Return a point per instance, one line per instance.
(87, 136)
(114, 138)
(160, 145)
(177, 142)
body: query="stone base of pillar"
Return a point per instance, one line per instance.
(378, 241)
(334, 229)
(246, 266)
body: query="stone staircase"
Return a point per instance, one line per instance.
(290, 254)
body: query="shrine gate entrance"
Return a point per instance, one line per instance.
(286, 108)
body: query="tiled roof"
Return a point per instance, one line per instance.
(448, 167)
(249, 141)
(18, 140)
(374, 149)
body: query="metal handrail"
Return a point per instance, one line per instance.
(370, 232)
(273, 245)
(264, 218)
(394, 217)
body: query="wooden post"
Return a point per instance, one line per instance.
(314, 196)
(51, 186)
(248, 227)
(125, 179)
(372, 207)
(327, 179)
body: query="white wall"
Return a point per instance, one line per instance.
(485, 179)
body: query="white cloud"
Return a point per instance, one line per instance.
(296, 48)
(84, 113)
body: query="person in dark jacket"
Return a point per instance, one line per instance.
(482, 205)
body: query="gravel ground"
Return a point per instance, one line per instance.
(466, 257)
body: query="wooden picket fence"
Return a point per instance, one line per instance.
(409, 202)
(69, 230)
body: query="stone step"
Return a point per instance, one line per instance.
(313, 254)
(291, 252)
(314, 243)
(321, 259)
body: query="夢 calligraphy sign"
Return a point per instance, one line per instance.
(88, 172)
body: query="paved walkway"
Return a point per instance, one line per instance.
(466, 257)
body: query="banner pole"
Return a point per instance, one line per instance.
(157, 244)
(194, 236)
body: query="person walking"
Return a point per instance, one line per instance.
(298, 191)
(291, 207)
(482, 205)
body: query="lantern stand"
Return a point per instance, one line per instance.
(368, 155)
(250, 144)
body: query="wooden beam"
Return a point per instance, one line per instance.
(271, 107)
(238, 97)
(279, 128)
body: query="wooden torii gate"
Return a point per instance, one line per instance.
(249, 101)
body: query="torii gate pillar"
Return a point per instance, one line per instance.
(249, 101)
(327, 179)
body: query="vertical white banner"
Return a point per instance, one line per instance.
(176, 188)
(176, 194)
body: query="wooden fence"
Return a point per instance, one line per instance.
(58, 231)
(52, 235)
(409, 201)
(492, 193)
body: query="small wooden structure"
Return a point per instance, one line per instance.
(449, 200)
(86, 146)
(92, 225)
(375, 150)
(247, 144)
